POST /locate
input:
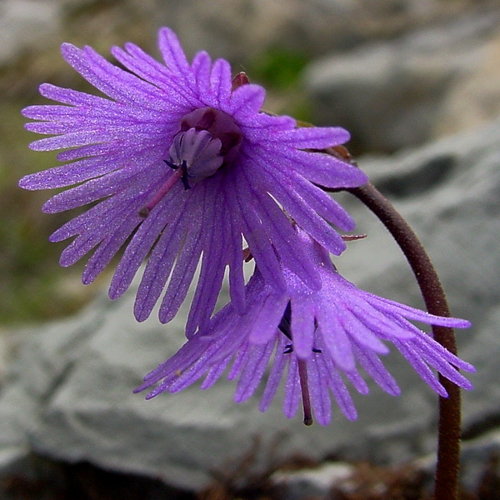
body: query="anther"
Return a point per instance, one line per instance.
(247, 255)
(240, 79)
(353, 237)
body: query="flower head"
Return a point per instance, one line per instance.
(316, 340)
(176, 165)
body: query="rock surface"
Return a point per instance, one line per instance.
(405, 91)
(240, 30)
(68, 395)
(26, 23)
(311, 483)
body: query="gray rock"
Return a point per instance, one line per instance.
(311, 483)
(478, 456)
(25, 23)
(242, 30)
(72, 388)
(336, 480)
(403, 92)
(68, 395)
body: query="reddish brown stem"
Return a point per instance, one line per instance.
(448, 454)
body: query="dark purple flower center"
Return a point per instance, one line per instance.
(220, 125)
(208, 139)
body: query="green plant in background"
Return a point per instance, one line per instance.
(280, 70)
(32, 286)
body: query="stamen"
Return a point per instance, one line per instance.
(185, 180)
(240, 79)
(220, 125)
(341, 152)
(170, 182)
(306, 400)
(247, 255)
(353, 237)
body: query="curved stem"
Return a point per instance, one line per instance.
(448, 455)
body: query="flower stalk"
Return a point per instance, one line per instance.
(448, 454)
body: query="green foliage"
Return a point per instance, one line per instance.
(280, 71)
(31, 284)
(278, 68)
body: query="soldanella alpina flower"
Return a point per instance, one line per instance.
(318, 341)
(178, 163)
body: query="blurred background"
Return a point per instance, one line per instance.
(398, 74)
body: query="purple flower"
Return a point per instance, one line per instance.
(315, 340)
(177, 165)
